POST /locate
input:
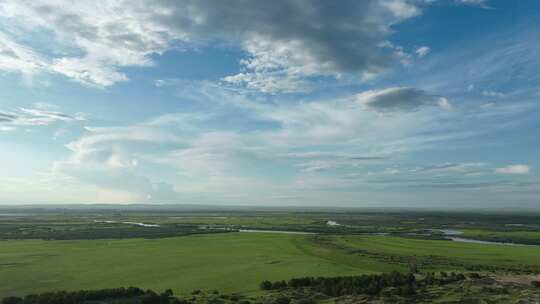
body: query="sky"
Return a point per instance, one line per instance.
(375, 103)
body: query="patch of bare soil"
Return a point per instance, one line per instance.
(518, 279)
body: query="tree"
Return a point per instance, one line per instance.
(266, 285)
(168, 292)
(12, 300)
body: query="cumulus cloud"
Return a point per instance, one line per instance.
(109, 158)
(514, 169)
(400, 99)
(284, 41)
(92, 40)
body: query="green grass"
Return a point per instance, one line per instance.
(248, 221)
(510, 235)
(234, 262)
(497, 255)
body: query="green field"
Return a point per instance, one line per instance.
(476, 254)
(531, 237)
(233, 262)
(227, 262)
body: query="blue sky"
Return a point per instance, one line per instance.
(395, 103)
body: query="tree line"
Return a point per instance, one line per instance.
(116, 295)
(405, 283)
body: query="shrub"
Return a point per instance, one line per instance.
(266, 285)
(12, 300)
(474, 275)
(281, 299)
(304, 301)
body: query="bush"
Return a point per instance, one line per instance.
(168, 292)
(304, 301)
(281, 299)
(180, 301)
(215, 301)
(474, 275)
(12, 300)
(536, 284)
(81, 296)
(266, 285)
(279, 285)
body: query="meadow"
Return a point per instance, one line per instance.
(227, 262)
(48, 250)
(232, 262)
(466, 253)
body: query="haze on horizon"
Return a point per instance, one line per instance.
(391, 103)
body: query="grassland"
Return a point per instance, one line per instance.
(228, 262)
(47, 250)
(232, 262)
(456, 253)
(516, 236)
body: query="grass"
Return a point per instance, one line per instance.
(246, 221)
(235, 262)
(497, 255)
(515, 235)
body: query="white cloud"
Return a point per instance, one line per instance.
(514, 169)
(20, 58)
(306, 144)
(217, 162)
(444, 104)
(480, 3)
(452, 168)
(39, 115)
(7, 128)
(285, 42)
(59, 133)
(490, 93)
(269, 82)
(92, 40)
(398, 52)
(422, 51)
(109, 158)
(87, 71)
(401, 9)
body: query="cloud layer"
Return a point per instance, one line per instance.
(39, 115)
(514, 169)
(351, 102)
(285, 41)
